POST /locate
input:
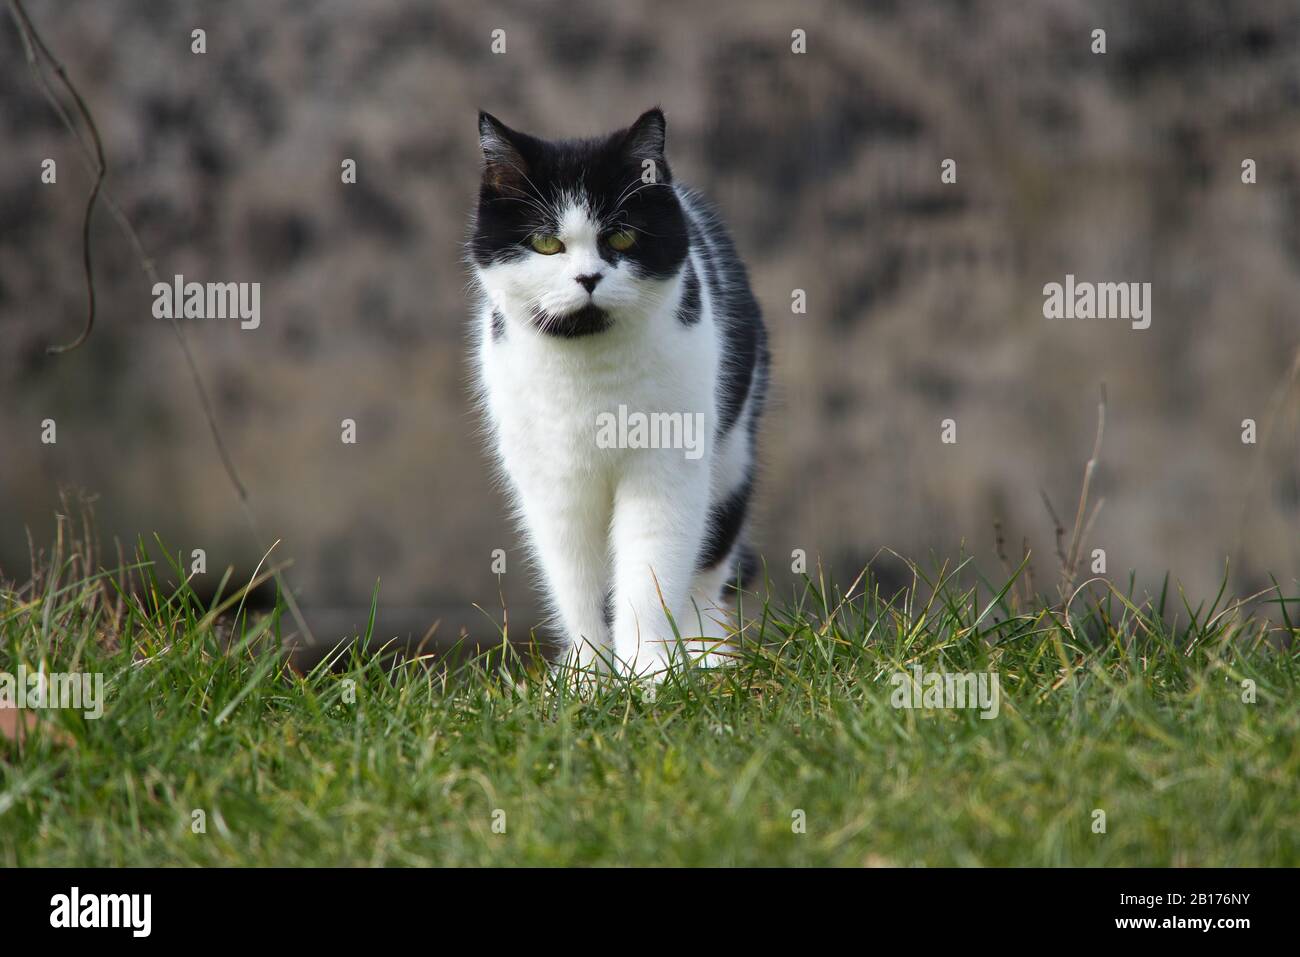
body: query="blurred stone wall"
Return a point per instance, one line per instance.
(924, 299)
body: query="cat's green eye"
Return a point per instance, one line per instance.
(547, 245)
(621, 240)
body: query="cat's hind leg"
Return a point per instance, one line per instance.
(710, 633)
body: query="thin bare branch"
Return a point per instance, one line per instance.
(1059, 530)
(32, 43)
(93, 155)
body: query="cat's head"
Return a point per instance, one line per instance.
(577, 235)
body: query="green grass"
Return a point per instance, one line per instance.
(1135, 710)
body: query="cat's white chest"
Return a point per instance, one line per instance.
(547, 400)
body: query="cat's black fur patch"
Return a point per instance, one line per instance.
(762, 377)
(586, 321)
(748, 570)
(745, 360)
(526, 181)
(710, 277)
(498, 325)
(744, 368)
(688, 310)
(726, 519)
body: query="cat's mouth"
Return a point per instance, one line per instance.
(585, 321)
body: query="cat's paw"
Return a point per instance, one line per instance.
(583, 665)
(649, 662)
(584, 655)
(711, 642)
(652, 665)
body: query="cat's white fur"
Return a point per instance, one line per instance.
(626, 522)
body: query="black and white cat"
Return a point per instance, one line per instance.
(606, 291)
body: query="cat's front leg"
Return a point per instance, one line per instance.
(660, 510)
(569, 531)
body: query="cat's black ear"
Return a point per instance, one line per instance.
(504, 165)
(645, 139)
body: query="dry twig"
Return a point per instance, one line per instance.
(93, 154)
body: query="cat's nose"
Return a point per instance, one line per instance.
(588, 282)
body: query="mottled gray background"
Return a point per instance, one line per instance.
(924, 299)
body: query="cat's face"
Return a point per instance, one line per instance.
(569, 234)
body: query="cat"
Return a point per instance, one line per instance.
(608, 293)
